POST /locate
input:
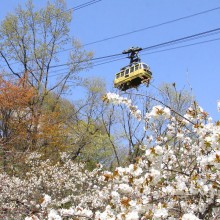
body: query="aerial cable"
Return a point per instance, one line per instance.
(168, 43)
(153, 26)
(191, 37)
(146, 28)
(144, 54)
(179, 40)
(110, 61)
(197, 43)
(85, 5)
(97, 58)
(159, 101)
(201, 42)
(183, 39)
(158, 89)
(78, 7)
(187, 45)
(131, 32)
(93, 59)
(98, 64)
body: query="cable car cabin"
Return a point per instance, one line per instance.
(132, 76)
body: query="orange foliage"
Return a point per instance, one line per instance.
(25, 126)
(14, 94)
(52, 135)
(15, 98)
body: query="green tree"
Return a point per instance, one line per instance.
(90, 142)
(32, 39)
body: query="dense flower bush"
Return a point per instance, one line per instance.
(48, 187)
(177, 177)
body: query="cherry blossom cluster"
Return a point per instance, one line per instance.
(176, 177)
(52, 191)
(116, 99)
(159, 112)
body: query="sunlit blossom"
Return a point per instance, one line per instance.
(175, 177)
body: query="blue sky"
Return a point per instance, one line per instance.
(194, 66)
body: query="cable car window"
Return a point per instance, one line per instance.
(145, 66)
(126, 71)
(122, 73)
(132, 69)
(136, 67)
(117, 75)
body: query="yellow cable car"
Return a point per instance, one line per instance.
(133, 75)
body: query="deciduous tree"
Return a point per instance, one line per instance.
(15, 120)
(30, 42)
